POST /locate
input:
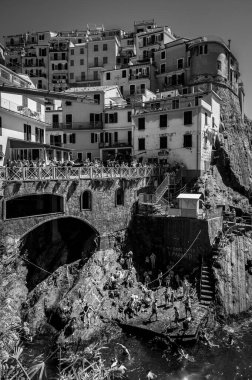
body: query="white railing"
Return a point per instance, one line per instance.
(70, 173)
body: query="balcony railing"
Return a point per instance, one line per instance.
(139, 76)
(25, 111)
(77, 125)
(67, 173)
(118, 144)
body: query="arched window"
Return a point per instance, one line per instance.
(119, 197)
(86, 200)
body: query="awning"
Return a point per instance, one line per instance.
(22, 144)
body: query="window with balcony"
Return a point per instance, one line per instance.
(188, 141)
(107, 76)
(96, 75)
(83, 75)
(129, 137)
(69, 118)
(39, 135)
(116, 137)
(95, 118)
(55, 120)
(141, 123)
(180, 63)
(162, 55)
(96, 48)
(105, 60)
(72, 62)
(96, 60)
(81, 62)
(124, 73)
(187, 117)
(175, 104)
(141, 144)
(64, 138)
(27, 132)
(163, 121)
(105, 47)
(81, 50)
(163, 142)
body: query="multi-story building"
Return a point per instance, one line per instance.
(178, 129)
(22, 122)
(132, 80)
(82, 129)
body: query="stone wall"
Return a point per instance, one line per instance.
(105, 217)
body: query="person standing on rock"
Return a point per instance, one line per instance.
(167, 295)
(130, 260)
(188, 306)
(150, 375)
(154, 309)
(153, 260)
(160, 278)
(176, 316)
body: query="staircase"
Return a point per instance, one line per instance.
(161, 189)
(206, 285)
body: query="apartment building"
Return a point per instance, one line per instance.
(179, 129)
(82, 126)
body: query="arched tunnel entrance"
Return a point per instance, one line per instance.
(55, 243)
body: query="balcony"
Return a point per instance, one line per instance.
(25, 111)
(139, 76)
(118, 144)
(77, 125)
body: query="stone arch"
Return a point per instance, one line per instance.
(56, 242)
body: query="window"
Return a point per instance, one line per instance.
(175, 104)
(112, 118)
(141, 144)
(1, 126)
(82, 62)
(162, 68)
(107, 76)
(55, 120)
(189, 60)
(72, 138)
(129, 137)
(72, 62)
(129, 117)
(213, 122)
(94, 138)
(68, 103)
(181, 79)
(180, 63)
(97, 98)
(105, 60)
(39, 135)
(83, 75)
(132, 89)
(64, 138)
(27, 132)
(38, 107)
(141, 123)
(95, 47)
(163, 142)
(124, 73)
(81, 50)
(72, 51)
(163, 121)
(196, 100)
(115, 137)
(86, 200)
(219, 65)
(105, 47)
(187, 141)
(119, 197)
(95, 118)
(162, 54)
(96, 76)
(71, 75)
(206, 119)
(205, 49)
(142, 88)
(69, 119)
(187, 117)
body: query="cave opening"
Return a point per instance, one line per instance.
(55, 243)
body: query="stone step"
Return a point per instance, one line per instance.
(206, 297)
(207, 303)
(205, 278)
(206, 285)
(207, 291)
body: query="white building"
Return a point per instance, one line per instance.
(180, 129)
(22, 122)
(83, 123)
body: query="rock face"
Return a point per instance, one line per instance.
(56, 305)
(233, 274)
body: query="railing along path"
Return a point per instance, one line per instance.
(71, 173)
